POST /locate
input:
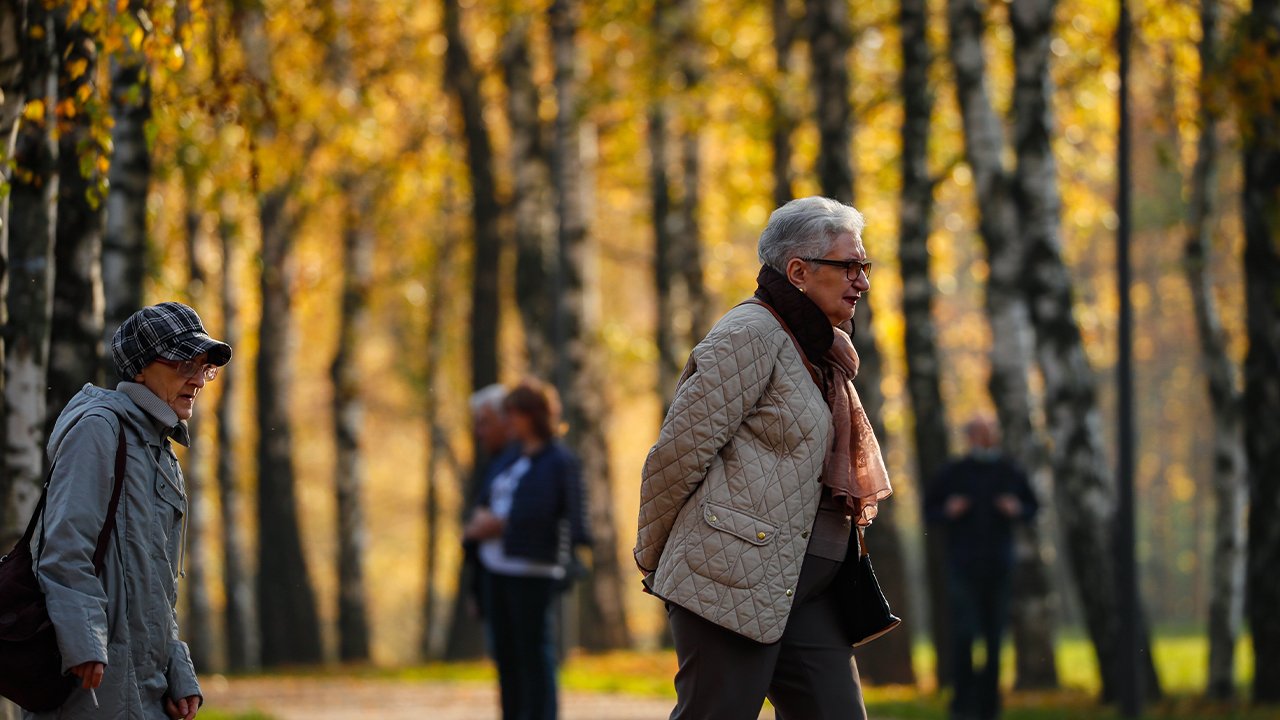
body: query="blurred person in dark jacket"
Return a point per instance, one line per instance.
(527, 520)
(979, 499)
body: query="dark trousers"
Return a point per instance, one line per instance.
(808, 675)
(519, 615)
(979, 597)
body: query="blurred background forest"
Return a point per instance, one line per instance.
(385, 205)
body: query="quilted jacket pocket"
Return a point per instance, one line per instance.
(734, 556)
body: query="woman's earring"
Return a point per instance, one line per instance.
(801, 289)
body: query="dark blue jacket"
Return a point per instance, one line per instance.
(550, 492)
(983, 534)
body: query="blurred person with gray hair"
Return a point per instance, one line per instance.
(118, 631)
(763, 466)
(495, 449)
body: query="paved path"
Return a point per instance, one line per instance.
(326, 698)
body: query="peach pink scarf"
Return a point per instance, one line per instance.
(854, 470)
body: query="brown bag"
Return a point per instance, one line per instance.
(30, 663)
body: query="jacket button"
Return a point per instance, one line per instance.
(790, 592)
(804, 534)
(713, 518)
(760, 536)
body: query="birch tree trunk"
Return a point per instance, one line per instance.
(923, 362)
(531, 203)
(661, 211)
(13, 17)
(1084, 488)
(1261, 209)
(442, 464)
(288, 623)
(783, 117)
(695, 320)
(1230, 488)
(358, 245)
(830, 39)
(287, 619)
(666, 342)
(33, 203)
(124, 246)
(579, 376)
(887, 660)
(13, 97)
(357, 188)
(241, 620)
(76, 349)
(463, 83)
(198, 619)
(678, 269)
(1032, 611)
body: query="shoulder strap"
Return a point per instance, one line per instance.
(35, 514)
(108, 525)
(813, 371)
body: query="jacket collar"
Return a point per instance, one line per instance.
(806, 321)
(164, 419)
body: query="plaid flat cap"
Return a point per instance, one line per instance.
(169, 330)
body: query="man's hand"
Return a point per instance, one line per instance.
(90, 674)
(484, 525)
(186, 708)
(956, 506)
(1009, 505)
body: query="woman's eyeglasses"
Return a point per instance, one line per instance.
(190, 368)
(852, 268)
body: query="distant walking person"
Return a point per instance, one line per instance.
(763, 464)
(528, 519)
(118, 631)
(978, 499)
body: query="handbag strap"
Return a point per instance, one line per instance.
(813, 371)
(108, 525)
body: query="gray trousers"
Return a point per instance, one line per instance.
(808, 675)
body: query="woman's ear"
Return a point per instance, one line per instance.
(797, 272)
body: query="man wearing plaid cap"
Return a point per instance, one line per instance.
(118, 631)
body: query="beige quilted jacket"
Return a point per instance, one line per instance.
(729, 493)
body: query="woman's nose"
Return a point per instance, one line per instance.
(862, 282)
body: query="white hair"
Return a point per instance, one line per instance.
(806, 228)
(489, 397)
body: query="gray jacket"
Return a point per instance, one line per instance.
(729, 493)
(126, 618)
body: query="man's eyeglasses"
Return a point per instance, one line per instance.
(189, 368)
(852, 268)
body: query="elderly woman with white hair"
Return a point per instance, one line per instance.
(763, 466)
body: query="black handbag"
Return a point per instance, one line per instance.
(867, 615)
(30, 663)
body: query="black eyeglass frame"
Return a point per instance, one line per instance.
(864, 266)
